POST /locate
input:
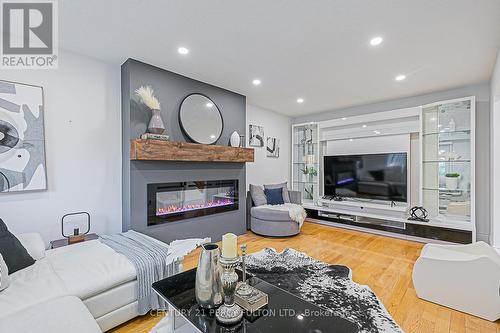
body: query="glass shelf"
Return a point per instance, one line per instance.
(314, 163)
(465, 131)
(445, 190)
(448, 161)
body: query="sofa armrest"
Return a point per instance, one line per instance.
(34, 244)
(295, 197)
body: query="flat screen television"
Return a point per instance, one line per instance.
(367, 176)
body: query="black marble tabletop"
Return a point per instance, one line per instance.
(285, 312)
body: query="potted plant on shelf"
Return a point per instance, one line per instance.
(147, 97)
(309, 173)
(452, 180)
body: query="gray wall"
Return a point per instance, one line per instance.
(171, 89)
(482, 93)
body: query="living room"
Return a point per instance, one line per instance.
(344, 155)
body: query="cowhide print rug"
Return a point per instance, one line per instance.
(327, 286)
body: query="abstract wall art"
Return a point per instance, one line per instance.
(256, 137)
(273, 147)
(22, 138)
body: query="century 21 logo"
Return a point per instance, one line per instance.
(27, 28)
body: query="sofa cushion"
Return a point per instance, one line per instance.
(274, 196)
(89, 268)
(283, 186)
(269, 214)
(60, 315)
(34, 284)
(258, 195)
(4, 274)
(15, 255)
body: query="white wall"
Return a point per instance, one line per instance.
(495, 153)
(266, 170)
(83, 148)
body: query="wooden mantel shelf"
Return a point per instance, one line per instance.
(158, 150)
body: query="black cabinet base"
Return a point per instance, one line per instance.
(415, 230)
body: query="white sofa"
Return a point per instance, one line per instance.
(462, 277)
(104, 280)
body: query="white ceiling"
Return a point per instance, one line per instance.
(318, 50)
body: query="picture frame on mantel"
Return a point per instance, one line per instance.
(22, 138)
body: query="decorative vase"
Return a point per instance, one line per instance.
(235, 139)
(207, 284)
(451, 183)
(156, 125)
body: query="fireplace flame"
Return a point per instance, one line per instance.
(172, 209)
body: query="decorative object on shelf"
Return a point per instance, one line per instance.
(207, 285)
(235, 139)
(418, 213)
(309, 192)
(151, 136)
(242, 141)
(256, 137)
(200, 119)
(459, 208)
(229, 312)
(147, 97)
(244, 289)
(451, 156)
(452, 125)
(309, 172)
(452, 180)
(273, 147)
(22, 138)
(76, 236)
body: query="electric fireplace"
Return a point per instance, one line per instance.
(183, 200)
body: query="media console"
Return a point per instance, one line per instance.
(381, 218)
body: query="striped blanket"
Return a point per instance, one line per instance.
(152, 262)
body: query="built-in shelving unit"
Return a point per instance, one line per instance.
(448, 156)
(305, 160)
(159, 150)
(439, 139)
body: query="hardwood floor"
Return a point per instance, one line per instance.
(384, 264)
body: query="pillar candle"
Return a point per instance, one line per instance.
(229, 245)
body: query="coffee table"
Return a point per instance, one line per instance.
(285, 312)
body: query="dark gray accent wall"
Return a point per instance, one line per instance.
(483, 179)
(171, 88)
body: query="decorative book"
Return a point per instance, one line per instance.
(253, 302)
(152, 136)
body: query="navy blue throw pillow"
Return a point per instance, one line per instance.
(274, 196)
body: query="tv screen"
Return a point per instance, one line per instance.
(368, 176)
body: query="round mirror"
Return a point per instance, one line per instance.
(200, 119)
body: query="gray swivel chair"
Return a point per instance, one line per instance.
(272, 222)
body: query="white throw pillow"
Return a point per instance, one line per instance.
(4, 274)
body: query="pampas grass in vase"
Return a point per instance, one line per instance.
(147, 97)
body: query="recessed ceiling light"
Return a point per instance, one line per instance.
(376, 41)
(364, 125)
(400, 77)
(209, 105)
(300, 100)
(351, 140)
(183, 50)
(376, 132)
(344, 118)
(256, 82)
